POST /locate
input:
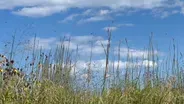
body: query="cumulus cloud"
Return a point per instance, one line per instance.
(86, 43)
(115, 27)
(39, 11)
(44, 43)
(148, 63)
(98, 68)
(95, 15)
(89, 15)
(6, 4)
(40, 8)
(104, 12)
(135, 53)
(83, 43)
(99, 65)
(99, 42)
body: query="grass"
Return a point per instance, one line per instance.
(49, 93)
(55, 83)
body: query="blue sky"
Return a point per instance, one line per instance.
(132, 19)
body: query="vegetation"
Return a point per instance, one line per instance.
(50, 78)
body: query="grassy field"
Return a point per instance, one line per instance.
(56, 83)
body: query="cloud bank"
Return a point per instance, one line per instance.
(42, 8)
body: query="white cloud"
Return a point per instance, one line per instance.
(135, 53)
(39, 11)
(88, 42)
(99, 65)
(44, 43)
(182, 10)
(94, 19)
(100, 42)
(42, 8)
(74, 16)
(170, 7)
(34, 8)
(84, 44)
(6, 4)
(104, 12)
(69, 18)
(88, 12)
(162, 13)
(90, 15)
(148, 63)
(113, 28)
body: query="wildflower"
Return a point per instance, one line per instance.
(15, 71)
(1, 70)
(32, 64)
(26, 89)
(7, 64)
(12, 61)
(3, 56)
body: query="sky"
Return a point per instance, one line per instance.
(86, 21)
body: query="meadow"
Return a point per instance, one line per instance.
(40, 81)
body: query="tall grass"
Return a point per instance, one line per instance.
(52, 77)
